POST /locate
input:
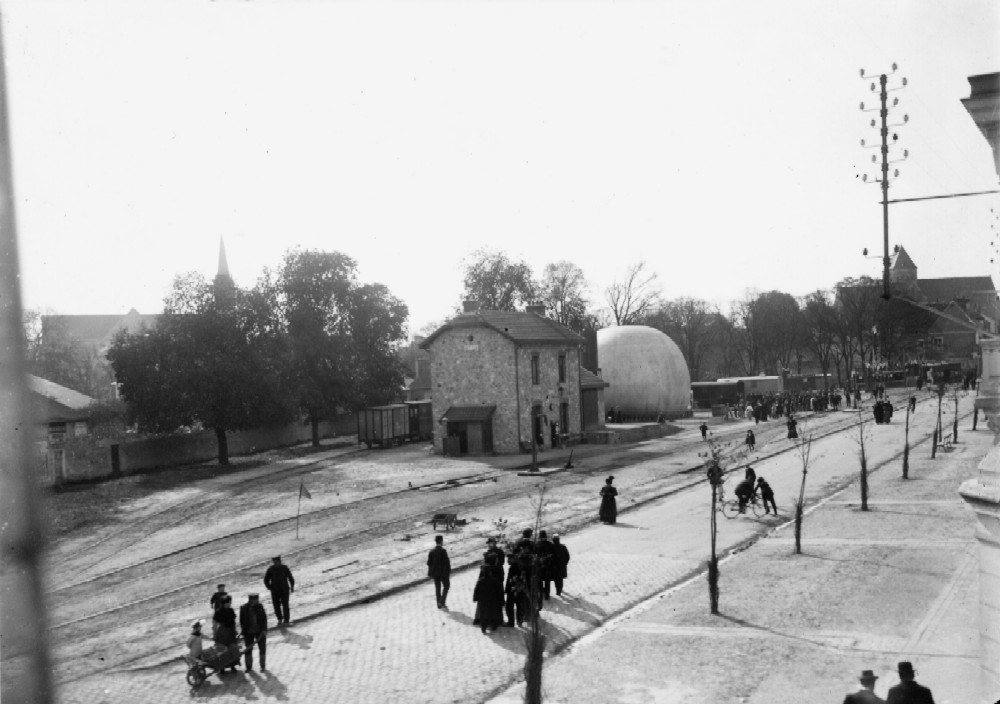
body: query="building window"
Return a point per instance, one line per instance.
(939, 343)
(535, 370)
(562, 368)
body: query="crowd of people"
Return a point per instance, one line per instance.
(534, 568)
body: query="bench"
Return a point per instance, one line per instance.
(448, 519)
(945, 444)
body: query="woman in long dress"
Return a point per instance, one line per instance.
(488, 595)
(609, 507)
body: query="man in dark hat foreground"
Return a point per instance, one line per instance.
(279, 581)
(908, 691)
(866, 695)
(253, 623)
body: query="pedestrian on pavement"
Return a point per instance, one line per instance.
(279, 581)
(253, 624)
(194, 641)
(887, 411)
(750, 474)
(516, 591)
(866, 695)
(792, 432)
(560, 559)
(704, 430)
(908, 691)
(526, 544)
(489, 595)
(544, 551)
(493, 549)
(913, 404)
(439, 569)
(609, 507)
(751, 440)
(766, 495)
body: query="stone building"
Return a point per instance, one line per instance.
(500, 376)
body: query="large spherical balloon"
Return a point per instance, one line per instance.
(646, 371)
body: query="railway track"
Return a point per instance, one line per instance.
(133, 614)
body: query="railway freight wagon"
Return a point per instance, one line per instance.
(384, 425)
(421, 419)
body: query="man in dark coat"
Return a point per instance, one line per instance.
(866, 694)
(908, 691)
(279, 581)
(766, 495)
(439, 569)
(516, 591)
(744, 490)
(544, 551)
(560, 559)
(704, 431)
(217, 597)
(253, 624)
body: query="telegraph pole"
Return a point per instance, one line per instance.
(883, 81)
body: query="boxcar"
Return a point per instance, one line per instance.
(383, 425)
(421, 420)
(705, 394)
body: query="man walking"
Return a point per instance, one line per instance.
(908, 691)
(253, 623)
(704, 431)
(866, 695)
(544, 559)
(279, 581)
(439, 569)
(560, 558)
(767, 495)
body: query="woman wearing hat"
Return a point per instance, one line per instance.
(866, 695)
(609, 507)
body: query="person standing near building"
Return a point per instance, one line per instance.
(253, 624)
(908, 691)
(866, 695)
(560, 559)
(279, 581)
(439, 569)
(609, 507)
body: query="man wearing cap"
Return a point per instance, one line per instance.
(908, 691)
(866, 695)
(279, 581)
(253, 623)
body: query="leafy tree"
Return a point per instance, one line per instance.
(563, 290)
(691, 323)
(53, 354)
(216, 357)
(313, 291)
(497, 282)
(859, 303)
(746, 333)
(377, 325)
(780, 329)
(634, 296)
(820, 329)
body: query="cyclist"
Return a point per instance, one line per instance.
(744, 490)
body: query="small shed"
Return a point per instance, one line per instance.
(468, 430)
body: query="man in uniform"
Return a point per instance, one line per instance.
(253, 623)
(279, 581)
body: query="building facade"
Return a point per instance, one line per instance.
(501, 379)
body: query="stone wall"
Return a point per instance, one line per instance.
(478, 366)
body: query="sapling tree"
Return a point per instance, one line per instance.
(906, 445)
(534, 639)
(862, 440)
(804, 447)
(719, 456)
(954, 425)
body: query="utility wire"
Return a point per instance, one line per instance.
(950, 195)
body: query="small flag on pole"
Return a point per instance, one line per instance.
(303, 491)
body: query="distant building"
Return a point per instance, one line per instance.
(61, 414)
(501, 377)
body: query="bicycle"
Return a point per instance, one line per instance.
(731, 508)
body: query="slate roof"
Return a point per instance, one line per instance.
(54, 402)
(469, 414)
(99, 329)
(589, 380)
(948, 289)
(521, 328)
(901, 260)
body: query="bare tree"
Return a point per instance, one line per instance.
(820, 329)
(691, 323)
(563, 290)
(631, 298)
(862, 440)
(804, 447)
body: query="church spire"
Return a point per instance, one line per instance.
(223, 264)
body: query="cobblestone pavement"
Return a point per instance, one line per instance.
(400, 648)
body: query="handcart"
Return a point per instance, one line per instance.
(214, 659)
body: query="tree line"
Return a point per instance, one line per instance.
(846, 329)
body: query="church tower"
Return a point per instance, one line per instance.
(223, 283)
(902, 270)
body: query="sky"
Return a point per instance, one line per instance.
(718, 142)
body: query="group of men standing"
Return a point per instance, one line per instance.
(252, 618)
(534, 567)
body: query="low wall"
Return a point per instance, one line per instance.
(616, 435)
(87, 459)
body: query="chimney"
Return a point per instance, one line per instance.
(470, 305)
(536, 307)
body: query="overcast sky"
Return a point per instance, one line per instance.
(717, 141)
